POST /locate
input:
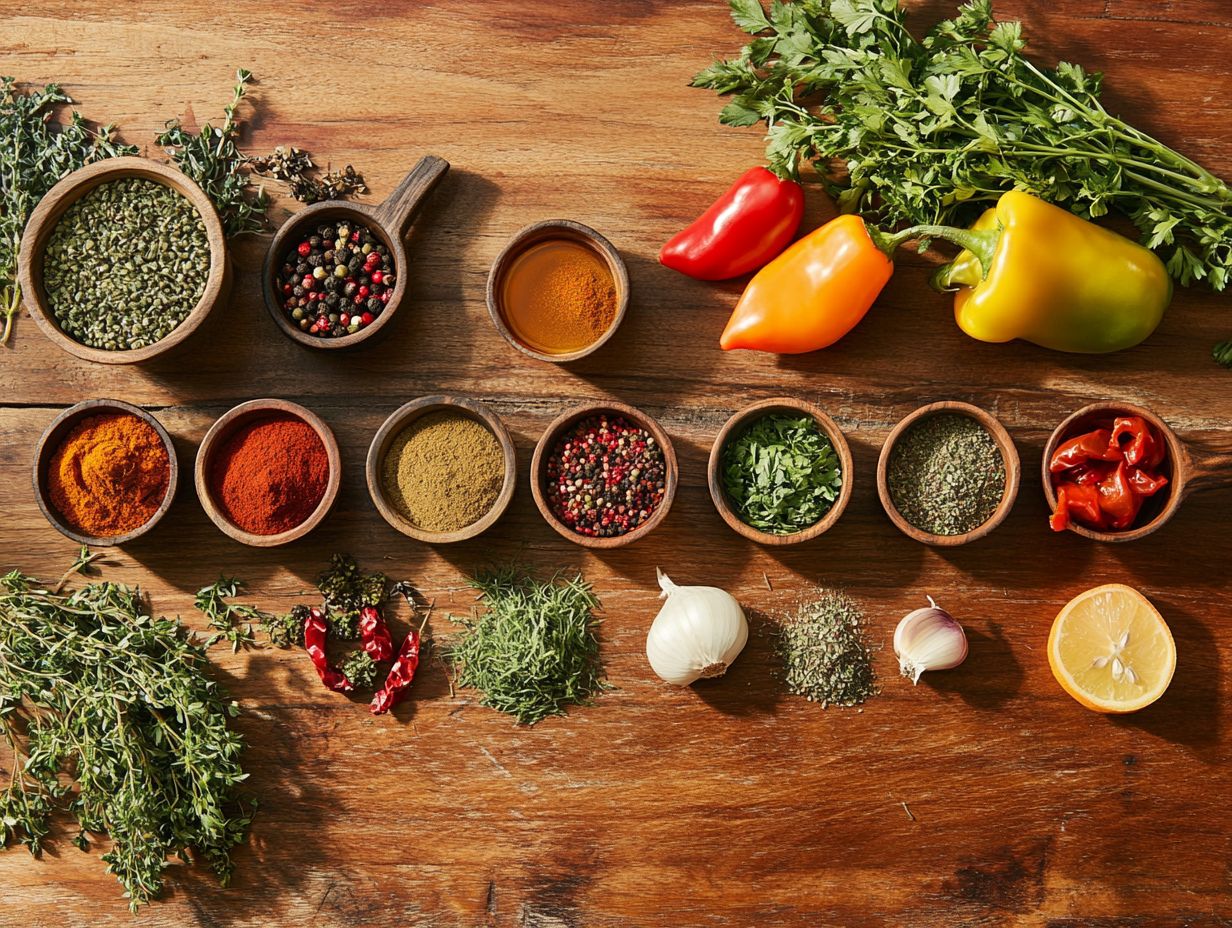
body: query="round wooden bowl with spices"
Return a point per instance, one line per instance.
(539, 233)
(552, 435)
(51, 440)
(1189, 469)
(746, 417)
(251, 413)
(1005, 447)
(390, 222)
(402, 419)
(68, 191)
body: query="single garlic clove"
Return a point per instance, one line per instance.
(929, 639)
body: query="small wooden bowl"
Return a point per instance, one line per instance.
(67, 192)
(543, 231)
(1009, 454)
(746, 416)
(1189, 470)
(391, 221)
(393, 427)
(552, 434)
(221, 430)
(55, 433)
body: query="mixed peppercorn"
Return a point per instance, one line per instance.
(605, 476)
(337, 280)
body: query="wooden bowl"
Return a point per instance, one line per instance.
(391, 221)
(1009, 454)
(63, 195)
(221, 430)
(393, 427)
(552, 434)
(745, 417)
(1189, 470)
(543, 231)
(50, 441)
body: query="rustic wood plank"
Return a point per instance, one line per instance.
(727, 804)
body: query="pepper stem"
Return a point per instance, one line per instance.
(981, 243)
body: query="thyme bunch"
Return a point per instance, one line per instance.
(533, 651)
(932, 131)
(113, 715)
(36, 153)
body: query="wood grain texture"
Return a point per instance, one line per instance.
(982, 797)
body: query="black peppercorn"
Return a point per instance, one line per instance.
(302, 268)
(297, 290)
(374, 305)
(350, 288)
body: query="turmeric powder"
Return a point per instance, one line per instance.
(109, 475)
(559, 296)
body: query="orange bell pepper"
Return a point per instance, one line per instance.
(812, 294)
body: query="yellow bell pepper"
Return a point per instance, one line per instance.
(1034, 271)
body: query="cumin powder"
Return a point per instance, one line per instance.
(443, 472)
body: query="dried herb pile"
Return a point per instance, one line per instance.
(824, 651)
(533, 651)
(114, 715)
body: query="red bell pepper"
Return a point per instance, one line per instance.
(1093, 446)
(742, 230)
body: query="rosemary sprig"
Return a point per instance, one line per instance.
(112, 715)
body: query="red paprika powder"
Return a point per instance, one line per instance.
(270, 474)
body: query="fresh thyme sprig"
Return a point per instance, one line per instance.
(932, 131)
(112, 715)
(36, 152)
(213, 159)
(232, 622)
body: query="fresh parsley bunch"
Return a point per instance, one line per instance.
(911, 131)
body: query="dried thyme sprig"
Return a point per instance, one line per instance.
(213, 159)
(36, 152)
(112, 714)
(533, 651)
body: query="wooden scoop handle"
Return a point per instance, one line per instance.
(398, 211)
(1210, 465)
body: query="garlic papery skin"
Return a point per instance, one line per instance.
(698, 632)
(929, 639)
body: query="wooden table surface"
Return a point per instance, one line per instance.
(985, 796)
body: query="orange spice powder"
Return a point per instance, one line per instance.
(109, 475)
(559, 296)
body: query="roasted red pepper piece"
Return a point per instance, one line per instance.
(1080, 501)
(742, 230)
(316, 631)
(374, 634)
(1093, 446)
(1117, 500)
(1134, 438)
(400, 675)
(1145, 484)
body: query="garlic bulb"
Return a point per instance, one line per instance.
(698, 633)
(929, 639)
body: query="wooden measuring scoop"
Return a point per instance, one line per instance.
(1188, 469)
(391, 221)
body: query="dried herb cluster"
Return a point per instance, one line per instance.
(307, 183)
(112, 714)
(825, 654)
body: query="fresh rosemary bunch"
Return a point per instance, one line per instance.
(36, 152)
(533, 651)
(932, 131)
(213, 159)
(113, 714)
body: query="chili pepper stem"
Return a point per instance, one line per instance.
(981, 243)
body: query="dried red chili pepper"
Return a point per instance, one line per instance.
(375, 634)
(316, 631)
(401, 674)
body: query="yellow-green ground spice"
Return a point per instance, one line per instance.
(443, 472)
